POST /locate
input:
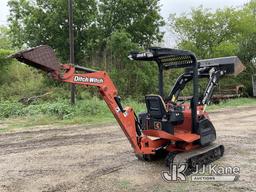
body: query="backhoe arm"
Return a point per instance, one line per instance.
(43, 58)
(100, 79)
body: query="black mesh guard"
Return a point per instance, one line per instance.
(168, 58)
(41, 57)
(173, 58)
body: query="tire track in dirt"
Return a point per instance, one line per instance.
(54, 141)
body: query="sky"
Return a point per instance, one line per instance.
(180, 6)
(167, 7)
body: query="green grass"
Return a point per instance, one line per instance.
(233, 103)
(15, 116)
(124, 184)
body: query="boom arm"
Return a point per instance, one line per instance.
(212, 84)
(213, 75)
(213, 69)
(125, 117)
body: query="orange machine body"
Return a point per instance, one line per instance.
(150, 140)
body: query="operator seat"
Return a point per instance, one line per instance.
(157, 114)
(156, 106)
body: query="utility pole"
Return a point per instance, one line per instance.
(71, 48)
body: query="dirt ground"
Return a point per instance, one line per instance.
(89, 158)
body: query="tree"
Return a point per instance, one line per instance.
(247, 37)
(105, 32)
(131, 77)
(207, 33)
(46, 22)
(5, 50)
(141, 19)
(225, 32)
(5, 42)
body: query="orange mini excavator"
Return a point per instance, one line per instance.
(182, 131)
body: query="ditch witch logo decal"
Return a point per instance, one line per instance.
(88, 79)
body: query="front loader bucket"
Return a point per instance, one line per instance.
(231, 65)
(41, 57)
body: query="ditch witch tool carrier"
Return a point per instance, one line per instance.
(183, 131)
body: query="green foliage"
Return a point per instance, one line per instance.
(46, 22)
(105, 32)
(17, 81)
(220, 33)
(231, 103)
(247, 42)
(4, 61)
(10, 109)
(207, 33)
(5, 42)
(131, 78)
(62, 110)
(141, 19)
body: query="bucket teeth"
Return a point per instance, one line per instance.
(41, 57)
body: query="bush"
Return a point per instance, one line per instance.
(61, 109)
(10, 109)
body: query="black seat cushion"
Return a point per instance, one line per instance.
(155, 106)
